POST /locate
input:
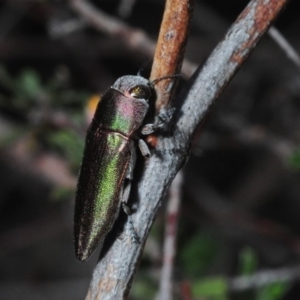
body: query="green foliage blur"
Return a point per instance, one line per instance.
(203, 247)
(46, 115)
(218, 288)
(294, 160)
(51, 112)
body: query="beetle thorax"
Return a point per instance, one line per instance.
(122, 107)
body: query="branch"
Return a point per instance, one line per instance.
(113, 274)
(172, 218)
(170, 47)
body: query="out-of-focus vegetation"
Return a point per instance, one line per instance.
(51, 111)
(240, 204)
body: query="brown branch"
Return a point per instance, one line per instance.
(166, 286)
(114, 272)
(134, 39)
(170, 48)
(167, 61)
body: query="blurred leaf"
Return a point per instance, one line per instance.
(198, 254)
(60, 193)
(248, 261)
(211, 289)
(5, 79)
(274, 291)
(28, 85)
(12, 136)
(143, 288)
(294, 160)
(68, 98)
(69, 144)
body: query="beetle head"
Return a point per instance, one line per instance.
(138, 87)
(134, 87)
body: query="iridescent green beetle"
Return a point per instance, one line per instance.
(109, 158)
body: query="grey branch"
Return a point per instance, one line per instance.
(114, 272)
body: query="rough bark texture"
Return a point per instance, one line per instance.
(114, 272)
(170, 48)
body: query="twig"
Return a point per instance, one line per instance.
(125, 8)
(264, 278)
(216, 24)
(282, 42)
(169, 55)
(49, 166)
(59, 29)
(247, 135)
(166, 286)
(113, 274)
(186, 290)
(170, 48)
(134, 39)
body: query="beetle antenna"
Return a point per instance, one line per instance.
(153, 82)
(143, 67)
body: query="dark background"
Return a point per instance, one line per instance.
(241, 193)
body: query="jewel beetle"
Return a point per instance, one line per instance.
(109, 157)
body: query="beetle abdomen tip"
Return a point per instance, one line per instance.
(82, 255)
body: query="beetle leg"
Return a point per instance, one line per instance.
(132, 231)
(126, 193)
(129, 176)
(128, 212)
(162, 119)
(144, 148)
(148, 129)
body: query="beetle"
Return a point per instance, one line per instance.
(106, 171)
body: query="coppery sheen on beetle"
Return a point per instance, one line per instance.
(108, 160)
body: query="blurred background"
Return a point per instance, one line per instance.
(239, 226)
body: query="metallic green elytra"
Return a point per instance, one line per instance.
(108, 161)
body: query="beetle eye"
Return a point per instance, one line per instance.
(140, 92)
